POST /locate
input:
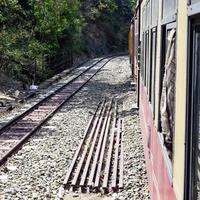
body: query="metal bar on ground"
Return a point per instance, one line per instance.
(97, 112)
(21, 128)
(121, 165)
(80, 164)
(116, 155)
(98, 174)
(108, 162)
(97, 150)
(18, 134)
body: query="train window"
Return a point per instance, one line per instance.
(194, 115)
(143, 44)
(169, 8)
(153, 69)
(148, 18)
(154, 12)
(143, 19)
(193, 7)
(142, 56)
(147, 60)
(194, 1)
(168, 76)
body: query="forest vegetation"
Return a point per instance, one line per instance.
(39, 38)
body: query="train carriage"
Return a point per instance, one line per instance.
(165, 58)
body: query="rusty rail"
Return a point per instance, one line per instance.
(22, 127)
(92, 167)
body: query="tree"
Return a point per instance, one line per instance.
(34, 30)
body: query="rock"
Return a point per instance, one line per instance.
(116, 196)
(11, 191)
(35, 195)
(11, 168)
(75, 195)
(61, 192)
(4, 178)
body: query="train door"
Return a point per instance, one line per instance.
(192, 183)
(192, 159)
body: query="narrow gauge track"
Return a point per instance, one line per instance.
(17, 131)
(44, 85)
(98, 162)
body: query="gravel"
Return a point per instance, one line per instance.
(38, 169)
(42, 93)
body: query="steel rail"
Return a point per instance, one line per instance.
(121, 165)
(100, 163)
(43, 85)
(108, 162)
(115, 165)
(95, 130)
(101, 135)
(89, 126)
(95, 123)
(25, 116)
(45, 98)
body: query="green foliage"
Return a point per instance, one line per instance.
(33, 31)
(133, 3)
(113, 18)
(39, 34)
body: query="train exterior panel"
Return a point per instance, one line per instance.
(166, 69)
(160, 182)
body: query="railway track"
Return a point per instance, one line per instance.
(44, 85)
(98, 162)
(17, 131)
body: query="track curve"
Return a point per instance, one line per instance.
(14, 134)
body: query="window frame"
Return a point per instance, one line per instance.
(154, 23)
(143, 57)
(171, 17)
(193, 9)
(152, 90)
(192, 82)
(164, 29)
(147, 59)
(167, 160)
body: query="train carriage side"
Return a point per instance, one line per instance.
(157, 159)
(169, 65)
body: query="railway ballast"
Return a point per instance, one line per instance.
(38, 169)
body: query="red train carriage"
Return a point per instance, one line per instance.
(165, 58)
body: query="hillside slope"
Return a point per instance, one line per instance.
(41, 38)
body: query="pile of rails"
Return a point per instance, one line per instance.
(98, 162)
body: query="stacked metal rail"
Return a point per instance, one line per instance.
(98, 161)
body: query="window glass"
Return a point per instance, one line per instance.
(142, 56)
(143, 45)
(143, 20)
(194, 1)
(147, 71)
(196, 117)
(153, 70)
(154, 12)
(148, 15)
(169, 8)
